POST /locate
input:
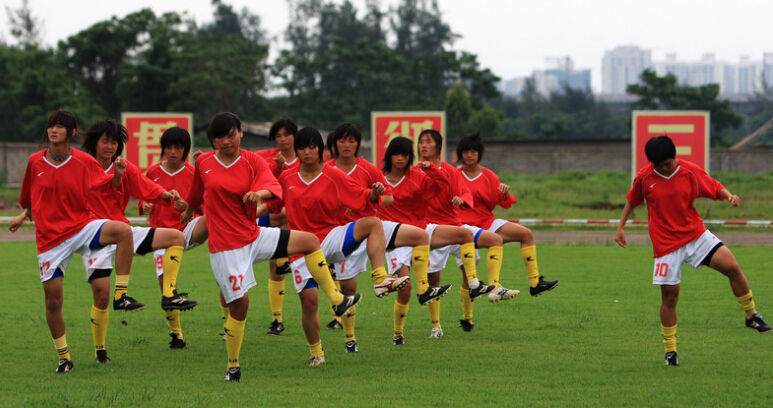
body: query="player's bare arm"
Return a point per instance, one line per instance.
(504, 189)
(18, 220)
(257, 196)
(457, 201)
(620, 234)
(376, 191)
(734, 200)
(119, 167)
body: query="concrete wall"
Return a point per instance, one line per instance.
(526, 157)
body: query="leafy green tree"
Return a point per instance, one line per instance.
(25, 28)
(458, 110)
(488, 121)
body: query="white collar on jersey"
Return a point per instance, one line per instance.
(669, 177)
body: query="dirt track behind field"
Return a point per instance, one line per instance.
(547, 237)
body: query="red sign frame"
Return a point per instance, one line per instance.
(384, 126)
(145, 129)
(688, 129)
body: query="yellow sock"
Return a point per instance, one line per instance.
(280, 262)
(494, 264)
(226, 312)
(121, 284)
(99, 320)
(348, 320)
(420, 263)
(746, 301)
(61, 347)
(401, 312)
(466, 303)
(316, 349)
(173, 321)
(378, 275)
(234, 330)
(468, 260)
(669, 337)
(276, 296)
(317, 266)
(529, 255)
(171, 263)
(434, 313)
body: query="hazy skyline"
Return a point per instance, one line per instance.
(512, 38)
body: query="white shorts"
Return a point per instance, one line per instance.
(333, 244)
(103, 258)
(496, 225)
(301, 274)
(233, 268)
(438, 257)
(158, 255)
(357, 262)
(668, 268)
(399, 257)
(60, 255)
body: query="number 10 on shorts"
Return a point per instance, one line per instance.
(661, 269)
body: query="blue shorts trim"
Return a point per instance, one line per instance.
(94, 244)
(57, 274)
(477, 234)
(350, 244)
(310, 284)
(264, 221)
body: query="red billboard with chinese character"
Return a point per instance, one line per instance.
(145, 129)
(688, 129)
(386, 126)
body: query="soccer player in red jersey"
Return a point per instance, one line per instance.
(488, 192)
(670, 187)
(344, 143)
(173, 173)
(55, 191)
(227, 184)
(105, 141)
(442, 211)
(279, 159)
(316, 198)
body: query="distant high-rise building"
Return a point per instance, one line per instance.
(559, 75)
(767, 70)
(622, 66)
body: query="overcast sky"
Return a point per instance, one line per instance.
(512, 38)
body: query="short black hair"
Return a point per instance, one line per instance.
(659, 148)
(309, 137)
(64, 118)
(176, 136)
(284, 123)
(399, 145)
(110, 128)
(470, 142)
(221, 125)
(343, 131)
(436, 136)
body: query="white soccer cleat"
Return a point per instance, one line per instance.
(436, 333)
(390, 284)
(316, 360)
(502, 293)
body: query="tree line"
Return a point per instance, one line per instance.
(340, 63)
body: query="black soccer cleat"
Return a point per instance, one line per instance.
(284, 269)
(346, 304)
(65, 366)
(334, 325)
(127, 303)
(482, 289)
(276, 328)
(467, 325)
(756, 323)
(178, 342)
(234, 374)
(102, 356)
(177, 302)
(432, 294)
(351, 347)
(672, 359)
(543, 286)
(398, 340)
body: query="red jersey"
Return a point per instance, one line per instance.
(440, 210)
(411, 196)
(364, 174)
(671, 214)
(485, 196)
(319, 205)
(164, 215)
(107, 202)
(219, 190)
(58, 196)
(269, 154)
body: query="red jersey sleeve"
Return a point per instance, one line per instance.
(356, 197)
(196, 195)
(502, 200)
(635, 195)
(24, 195)
(263, 178)
(140, 186)
(708, 187)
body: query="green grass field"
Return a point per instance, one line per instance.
(594, 341)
